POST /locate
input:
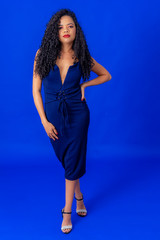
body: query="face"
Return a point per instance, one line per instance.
(68, 28)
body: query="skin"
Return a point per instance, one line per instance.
(66, 26)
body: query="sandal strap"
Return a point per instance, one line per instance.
(65, 212)
(81, 210)
(66, 227)
(79, 199)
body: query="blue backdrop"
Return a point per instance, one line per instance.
(124, 133)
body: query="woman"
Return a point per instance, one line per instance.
(60, 62)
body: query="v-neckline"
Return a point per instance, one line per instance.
(66, 73)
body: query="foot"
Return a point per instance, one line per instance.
(80, 205)
(66, 220)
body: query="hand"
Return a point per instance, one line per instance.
(50, 130)
(82, 85)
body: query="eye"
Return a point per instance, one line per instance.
(61, 27)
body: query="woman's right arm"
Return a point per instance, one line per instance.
(36, 91)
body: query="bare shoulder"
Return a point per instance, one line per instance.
(37, 82)
(35, 59)
(98, 68)
(37, 53)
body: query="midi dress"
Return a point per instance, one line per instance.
(70, 116)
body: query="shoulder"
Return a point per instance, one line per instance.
(37, 52)
(36, 55)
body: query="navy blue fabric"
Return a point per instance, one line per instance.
(71, 117)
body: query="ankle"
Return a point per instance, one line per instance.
(78, 195)
(67, 209)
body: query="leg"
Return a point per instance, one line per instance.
(70, 188)
(78, 194)
(69, 193)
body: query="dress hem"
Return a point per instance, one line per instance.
(72, 179)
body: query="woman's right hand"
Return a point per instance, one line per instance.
(50, 130)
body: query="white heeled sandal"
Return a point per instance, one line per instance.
(80, 210)
(66, 226)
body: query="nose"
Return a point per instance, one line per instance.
(66, 29)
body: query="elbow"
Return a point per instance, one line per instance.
(109, 77)
(35, 92)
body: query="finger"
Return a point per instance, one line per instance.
(83, 98)
(50, 136)
(55, 133)
(54, 129)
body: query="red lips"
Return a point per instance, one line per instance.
(67, 35)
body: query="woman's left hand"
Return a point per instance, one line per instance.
(82, 85)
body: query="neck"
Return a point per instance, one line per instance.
(66, 48)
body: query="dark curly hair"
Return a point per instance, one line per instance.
(50, 47)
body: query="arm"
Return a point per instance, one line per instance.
(36, 91)
(103, 75)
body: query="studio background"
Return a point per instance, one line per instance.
(124, 133)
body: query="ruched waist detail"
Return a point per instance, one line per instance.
(61, 96)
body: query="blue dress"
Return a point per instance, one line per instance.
(71, 118)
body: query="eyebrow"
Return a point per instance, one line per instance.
(67, 24)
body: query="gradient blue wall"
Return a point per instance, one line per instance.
(124, 37)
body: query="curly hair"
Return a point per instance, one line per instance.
(50, 47)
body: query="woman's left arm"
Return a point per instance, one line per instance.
(103, 75)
